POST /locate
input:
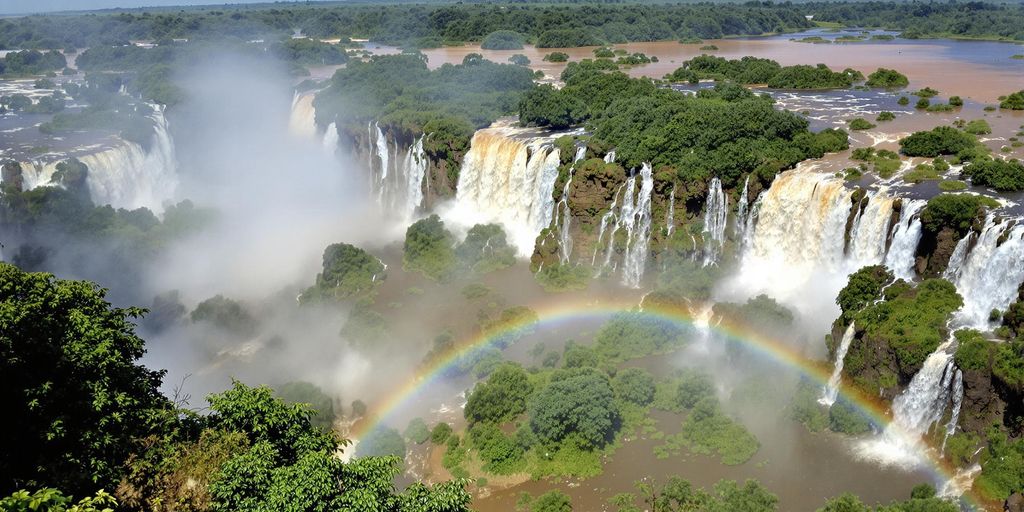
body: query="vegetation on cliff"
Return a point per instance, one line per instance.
(407, 99)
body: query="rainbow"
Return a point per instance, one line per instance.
(551, 315)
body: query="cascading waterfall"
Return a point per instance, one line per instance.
(331, 139)
(716, 212)
(639, 231)
(796, 234)
(510, 180)
(414, 169)
(831, 390)
(384, 158)
(609, 157)
(302, 120)
(915, 410)
(564, 215)
(670, 220)
(124, 175)
(958, 401)
(988, 272)
(748, 224)
(871, 228)
(398, 179)
(606, 220)
(739, 228)
(906, 235)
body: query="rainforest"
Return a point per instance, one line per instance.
(512, 256)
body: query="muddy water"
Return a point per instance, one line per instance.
(977, 70)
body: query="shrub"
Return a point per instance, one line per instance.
(440, 433)
(978, 127)
(1002, 175)
(885, 116)
(942, 140)
(861, 124)
(1013, 101)
(557, 57)
(922, 103)
(503, 40)
(887, 78)
(519, 60)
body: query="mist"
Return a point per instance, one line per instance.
(279, 199)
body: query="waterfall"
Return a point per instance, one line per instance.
(302, 120)
(795, 243)
(606, 219)
(384, 158)
(330, 141)
(915, 410)
(609, 157)
(748, 224)
(988, 274)
(670, 216)
(564, 214)
(958, 401)
(831, 390)
(123, 175)
(716, 210)
(739, 228)
(508, 178)
(414, 169)
(399, 175)
(871, 229)
(906, 235)
(639, 231)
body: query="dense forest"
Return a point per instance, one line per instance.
(546, 25)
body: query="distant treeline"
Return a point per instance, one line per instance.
(564, 24)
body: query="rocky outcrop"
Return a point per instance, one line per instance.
(10, 175)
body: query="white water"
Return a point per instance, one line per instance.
(742, 209)
(906, 235)
(302, 121)
(123, 175)
(398, 175)
(670, 217)
(831, 390)
(508, 178)
(716, 211)
(331, 139)
(639, 231)
(988, 273)
(869, 232)
(564, 218)
(915, 410)
(606, 220)
(958, 401)
(794, 244)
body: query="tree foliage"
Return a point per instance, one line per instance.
(70, 375)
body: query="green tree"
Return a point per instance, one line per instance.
(580, 405)
(503, 40)
(634, 385)
(501, 398)
(887, 78)
(429, 248)
(226, 314)
(69, 374)
(320, 404)
(347, 271)
(552, 501)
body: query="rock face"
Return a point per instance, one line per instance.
(1015, 503)
(10, 174)
(872, 364)
(934, 252)
(982, 405)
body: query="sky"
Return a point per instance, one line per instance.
(35, 6)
